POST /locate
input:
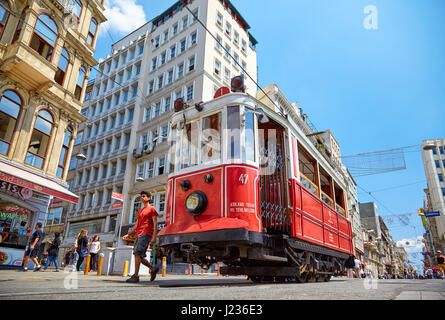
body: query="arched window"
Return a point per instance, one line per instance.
(77, 8)
(38, 145)
(62, 67)
(64, 152)
(92, 31)
(80, 82)
(10, 105)
(44, 36)
(19, 25)
(137, 205)
(4, 15)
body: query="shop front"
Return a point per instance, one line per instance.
(24, 200)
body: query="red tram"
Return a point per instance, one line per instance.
(248, 188)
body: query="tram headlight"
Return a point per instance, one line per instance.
(196, 203)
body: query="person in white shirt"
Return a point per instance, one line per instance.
(357, 267)
(94, 250)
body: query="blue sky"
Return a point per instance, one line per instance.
(374, 89)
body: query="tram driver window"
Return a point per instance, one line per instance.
(190, 145)
(211, 138)
(233, 126)
(250, 136)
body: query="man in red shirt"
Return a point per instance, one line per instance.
(146, 232)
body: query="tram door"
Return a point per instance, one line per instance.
(273, 182)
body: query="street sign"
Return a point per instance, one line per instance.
(117, 205)
(117, 196)
(432, 214)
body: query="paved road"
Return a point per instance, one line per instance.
(18, 285)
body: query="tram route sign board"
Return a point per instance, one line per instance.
(432, 214)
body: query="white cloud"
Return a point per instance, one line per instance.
(124, 16)
(411, 245)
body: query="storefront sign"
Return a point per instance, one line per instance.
(117, 196)
(25, 193)
(14, 213)
(117, 205)
(11, 257)
(55, 204)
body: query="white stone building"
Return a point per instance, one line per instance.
(433, 156)
(169, 57)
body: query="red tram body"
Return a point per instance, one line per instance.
(225, 204)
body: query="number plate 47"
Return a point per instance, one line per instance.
(243, 178)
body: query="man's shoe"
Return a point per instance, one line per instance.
(25, 270)
(57, 270)
(153, 274)
(133, 279)
(37, 269)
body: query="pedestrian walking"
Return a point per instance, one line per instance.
(81, 248)
(34, 248)
(53, 251)
(68, 258)
(440, 259)
(94, 250)
(75, 257)
(357, 263)
(145, 233)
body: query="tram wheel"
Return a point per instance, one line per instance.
(302, 278)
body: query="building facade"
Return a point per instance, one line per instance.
(46, 52)
(170, 57)
(433, 156)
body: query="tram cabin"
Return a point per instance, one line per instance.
(249, 189)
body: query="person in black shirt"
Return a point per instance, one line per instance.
(81, 247)
(53, 251)
(34, 247)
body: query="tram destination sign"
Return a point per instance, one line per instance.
(432, 214)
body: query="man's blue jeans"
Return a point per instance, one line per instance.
(48, 261)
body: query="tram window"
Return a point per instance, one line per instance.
(339, 200)
(307, 166)
(172, 150)
(250, 136)
(211, 138)
(233, 126)
(190, 145)
(326, 188)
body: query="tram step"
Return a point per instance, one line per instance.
(259, 254)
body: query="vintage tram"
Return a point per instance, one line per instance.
(248, 188)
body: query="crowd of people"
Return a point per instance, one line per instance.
(437, 272)
(74, 257)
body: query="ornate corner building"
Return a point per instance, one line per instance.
(46, 53)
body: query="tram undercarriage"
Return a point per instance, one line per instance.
(264, 258)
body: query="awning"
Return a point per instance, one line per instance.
(27, 179)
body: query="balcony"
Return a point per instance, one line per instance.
(27, 67)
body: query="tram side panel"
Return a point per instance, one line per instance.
(315, 222)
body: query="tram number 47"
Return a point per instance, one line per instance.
(243, 178)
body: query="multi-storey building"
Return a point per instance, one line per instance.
(433, 156)
(169, 57)
(104, 139)
(183, 61)
(46, 52)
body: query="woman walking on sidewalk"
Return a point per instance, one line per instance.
(81, 247)
(94, 250)
(53, 251)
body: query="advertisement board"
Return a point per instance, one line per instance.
(11, 257)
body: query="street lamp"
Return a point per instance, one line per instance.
(81, 156)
